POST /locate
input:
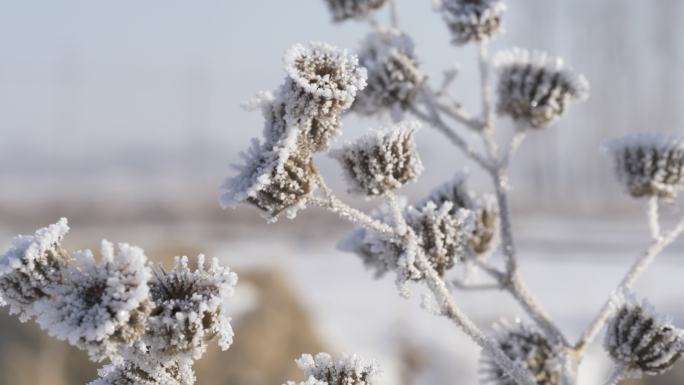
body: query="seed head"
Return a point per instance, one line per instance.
(529, 347)
(352, 9)
(187, 309)
(534, 88)
(100, 307)
(142, 368)
(471, 20)
(381, 161)
(322, 82)
(32, 267)
(394, 76)
(642, 339)
(483, 237)
(649, 164)
(346, 370)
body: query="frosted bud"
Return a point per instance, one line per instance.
(527, 346)
(534, 88)
(346, 370)
(381, 161)
(322, 82)
(352, 9)
(187, 309)
(277, 176)
(31, 267)
(642, 339)
(649, 164)
(100, 307)
(141, 368)
(394, 76)
(471, 20)
(484, 235)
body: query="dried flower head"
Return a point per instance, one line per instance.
(440, 236)
(529, 347)
(471, 20)
(352, 9)
(141, 368)
(381, 161)
(649, 164)
(534, 88)
(187, 309)
(278, 174)
(483, 237)
(346, 370)
(100, 307)
(394, 76)
(642, 339)
(33, 265)
(322, 82)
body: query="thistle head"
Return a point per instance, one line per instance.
(394, 75)
(346, 370)
(643, 340)
(483, 236)
(471, 20)
(381, 161)
(141, 368)
(534, 88)
(352, 9)
(187, 309)
(322, 82)
(649, 164)
(527, 346)
(31, 267)
(100, 307)
(277, 177)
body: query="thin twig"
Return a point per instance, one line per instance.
(488, 133)
(459, 116)
(513, 146)
(617, 375)
(627, 282)
(394, 13)
(461, 285)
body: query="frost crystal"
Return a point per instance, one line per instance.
(33, 265)
(528, 346)
(139, 368)
(381, 161)
(347, 370)
(187, 309)
(642, 339)
(649, 164)
(394, 77)
(471, 20)
(323, 82)
(440, 236)
(100, 307)
(483, 237)
(534, 88)
(352, 9)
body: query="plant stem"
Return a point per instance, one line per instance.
(653, 218)
(617, 375)
(627, 282)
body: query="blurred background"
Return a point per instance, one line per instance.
(124, 116)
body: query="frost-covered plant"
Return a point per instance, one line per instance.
(381, 161)
(641, 340)
(534, 88)
(151, 327)
(323, 369)
(649, 164)
(394, 75)
(437, 240)
(471, 20)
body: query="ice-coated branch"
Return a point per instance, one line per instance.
(617, 375)
(514, 145)
(627, 282)
(488, 132)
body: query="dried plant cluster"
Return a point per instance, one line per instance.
(152, 324)
(149, 324)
